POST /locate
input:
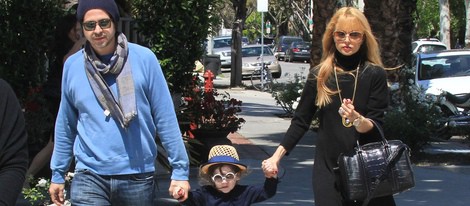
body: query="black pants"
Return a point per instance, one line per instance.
(379, 201)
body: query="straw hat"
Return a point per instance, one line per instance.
(225, 154)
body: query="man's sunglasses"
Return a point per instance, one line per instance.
(91, 25)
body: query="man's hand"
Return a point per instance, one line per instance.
(57, 193)
(179, 189)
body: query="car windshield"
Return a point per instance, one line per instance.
(256, 51)
(290, 40)
(430, 48)
(219, 43)
(443, 67)
(301, 45)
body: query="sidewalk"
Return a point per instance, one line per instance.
(263, 130)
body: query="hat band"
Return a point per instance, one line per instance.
(228, 159)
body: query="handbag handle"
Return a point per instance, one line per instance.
(389, 163)
(381, 132)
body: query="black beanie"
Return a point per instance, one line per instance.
(107, 5)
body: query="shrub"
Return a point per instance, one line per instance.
(413, 114)
(288, 94)
(27, 33)
(175, 31)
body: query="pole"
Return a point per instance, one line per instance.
(262, 49)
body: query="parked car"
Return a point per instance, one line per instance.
(282, 44)
(251, 60)
(444, 72)
(266, 41)
(222, 46)
(298, 51)
(447, 70)
(427, 45)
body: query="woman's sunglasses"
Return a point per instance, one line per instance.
(91, 25)
(341, 35)
(220, 178)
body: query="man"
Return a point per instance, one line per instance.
(13, 146)
(115, 100)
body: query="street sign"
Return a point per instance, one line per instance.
(262, 5)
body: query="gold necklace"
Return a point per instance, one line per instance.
(346, 122)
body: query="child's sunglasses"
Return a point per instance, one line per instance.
(220, 178)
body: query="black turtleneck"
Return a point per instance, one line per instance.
(348, 63)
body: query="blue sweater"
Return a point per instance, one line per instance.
(241, 195)
(98, 142)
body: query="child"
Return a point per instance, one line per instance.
(220, 177)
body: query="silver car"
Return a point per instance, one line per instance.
(251, 60)
(222, 47)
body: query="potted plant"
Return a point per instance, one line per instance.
(207, 116)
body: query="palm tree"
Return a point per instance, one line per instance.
(392, 23)
(322, 12)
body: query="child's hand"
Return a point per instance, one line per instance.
(269, 169)
(178, 193)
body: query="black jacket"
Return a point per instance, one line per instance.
(13, 146)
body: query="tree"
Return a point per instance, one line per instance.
(467, 27)
(323, 11)
(444, 16)
(427, 21)
(27, 32)
(240, 15)
(393, 26)
(175, 31)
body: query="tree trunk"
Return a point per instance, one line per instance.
(444, 17)
(240, 15)
(392, 23)
(467, 26)
(322, 12)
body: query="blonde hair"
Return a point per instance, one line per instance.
(326, 66)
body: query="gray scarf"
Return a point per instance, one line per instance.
(123, 110)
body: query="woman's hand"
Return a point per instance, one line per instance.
(270, 165)
(270, 168)
(347, 110)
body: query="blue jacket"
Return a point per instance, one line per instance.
(99, 143)
(240, 195)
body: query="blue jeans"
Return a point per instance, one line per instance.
(89, 188)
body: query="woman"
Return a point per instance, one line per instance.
(347, 88)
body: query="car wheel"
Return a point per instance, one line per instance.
(276, 75)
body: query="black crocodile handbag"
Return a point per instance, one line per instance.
(376, 169)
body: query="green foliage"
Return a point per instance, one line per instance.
(287, 94)
(210, 110)
(252, 28)
(427, 18)
(38, 193)
(413, 114)
(175, 31)
(27, 33)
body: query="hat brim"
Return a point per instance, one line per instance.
(222, 160)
